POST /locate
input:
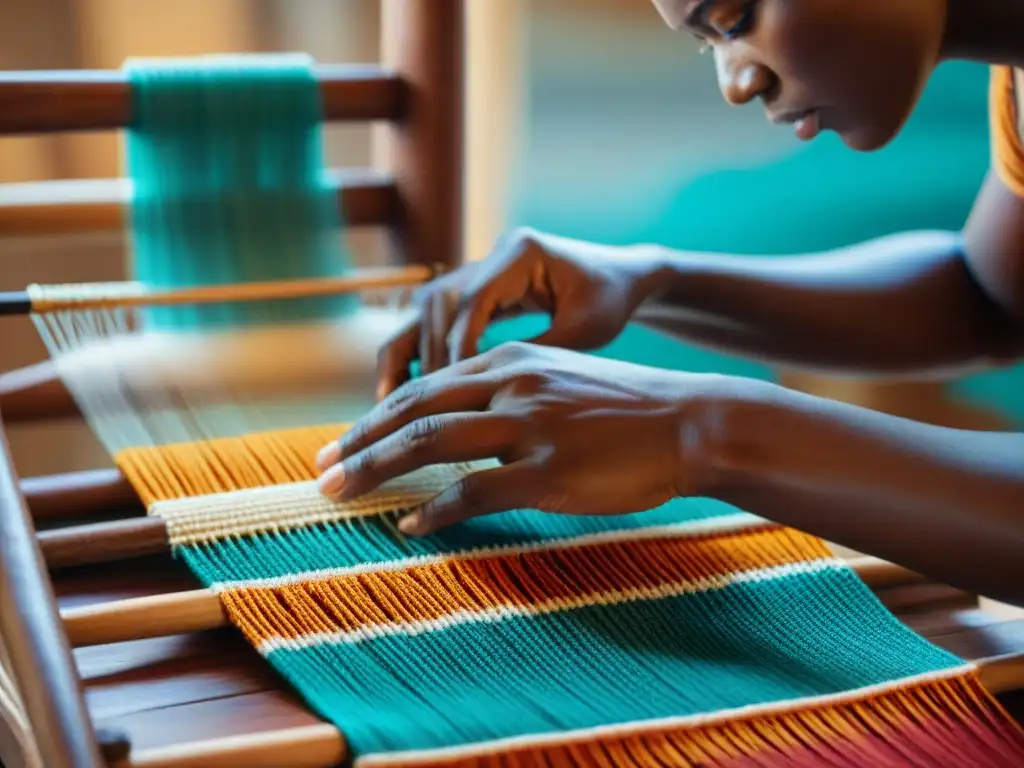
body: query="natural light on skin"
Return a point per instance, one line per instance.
(856, 68)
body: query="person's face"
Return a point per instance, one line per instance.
(856, 67)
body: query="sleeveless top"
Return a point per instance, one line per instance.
(1006, 121)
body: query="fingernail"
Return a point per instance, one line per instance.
(333, 480)
(382, 390)
(410, 524)
(329, 455)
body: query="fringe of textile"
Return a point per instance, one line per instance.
(689, 635)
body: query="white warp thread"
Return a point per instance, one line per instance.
(201, 519)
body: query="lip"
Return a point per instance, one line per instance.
(789, 118)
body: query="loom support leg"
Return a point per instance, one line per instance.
(34, 636)
(424, 42)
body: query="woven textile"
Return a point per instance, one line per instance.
(227, 167)
(689, 635)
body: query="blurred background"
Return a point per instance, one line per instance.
(588, 118)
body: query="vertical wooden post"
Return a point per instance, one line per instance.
(495, 70)
(424, 42)
(33, 634)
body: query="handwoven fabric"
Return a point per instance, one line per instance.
(689, 635)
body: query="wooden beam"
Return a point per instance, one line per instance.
(424, 41)
(366, 198)
(51, 101)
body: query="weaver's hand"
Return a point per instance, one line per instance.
(589, 290)
(574, 434)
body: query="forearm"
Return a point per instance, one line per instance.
(899, 305)
(946, 503)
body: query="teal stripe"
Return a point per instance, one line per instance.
(226, 160)
(341, 545)
(747, 644)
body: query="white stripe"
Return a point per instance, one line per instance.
(208, 517)
(717, 525)
(503, 612)
(641, 727)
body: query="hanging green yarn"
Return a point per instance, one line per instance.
(227, 168)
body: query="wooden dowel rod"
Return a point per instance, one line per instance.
(130, 295)
(1002, 674)
(75, 494)
(50, 101)
(323, 746)
(310, 746)
(200, 609)
(139, 618)
(103, 542)
(35, 393)
(365, 198)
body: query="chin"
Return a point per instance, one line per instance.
(873, 135)
(867, 139)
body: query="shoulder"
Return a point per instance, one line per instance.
(1006, 117)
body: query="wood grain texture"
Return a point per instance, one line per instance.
(365, 198)
(424, 42)
(50, 101)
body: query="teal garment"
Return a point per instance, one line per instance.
(226, 163)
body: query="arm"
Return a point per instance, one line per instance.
(909, 304)
(943, 502)
(947, 503)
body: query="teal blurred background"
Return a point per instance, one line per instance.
(626, 138)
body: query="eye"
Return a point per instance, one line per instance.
(744, 23)
(731, 19)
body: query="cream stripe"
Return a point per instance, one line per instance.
(503, 612)
(270, 509)
(741, 521)
(641, 727)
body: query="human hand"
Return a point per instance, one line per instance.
(589, 290)
(573, 434)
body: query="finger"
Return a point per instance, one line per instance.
(444, 439)
(438, 314)
(436, 394)
(395, 357)
(469, 326)
(481, 493)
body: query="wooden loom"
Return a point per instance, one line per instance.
(152, 657)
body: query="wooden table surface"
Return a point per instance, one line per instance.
(177, 689)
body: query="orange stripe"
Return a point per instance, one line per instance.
(255, 460)
(878, 729)
(523, 580)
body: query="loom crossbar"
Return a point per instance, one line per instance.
(367, 198)
(54, 101)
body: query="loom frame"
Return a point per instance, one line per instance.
(418, 90)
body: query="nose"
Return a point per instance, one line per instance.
(741, 78)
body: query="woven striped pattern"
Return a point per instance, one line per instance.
(688, 635)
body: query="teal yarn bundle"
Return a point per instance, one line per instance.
(226, 163)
